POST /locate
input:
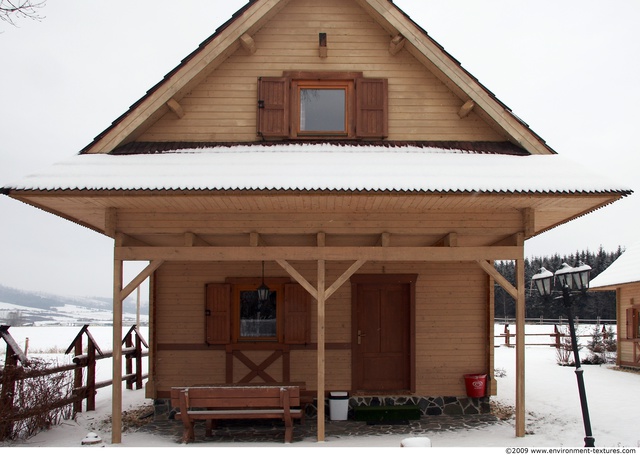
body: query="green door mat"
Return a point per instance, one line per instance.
(377, 414)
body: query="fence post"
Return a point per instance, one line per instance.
(77, 373)
(557, 335)
(8, 391)
(138, 362)
(90, 390)
(507, 335)
(91, 375)
(12, 355)
(129, 362)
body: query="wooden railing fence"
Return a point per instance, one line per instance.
(133, 344)
(557, 336)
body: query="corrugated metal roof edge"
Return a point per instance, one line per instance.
(164, 191)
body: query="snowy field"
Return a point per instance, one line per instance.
(554, 416)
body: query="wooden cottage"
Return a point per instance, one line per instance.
(623, 276)
(336, 153)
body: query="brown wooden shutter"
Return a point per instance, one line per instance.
(218, 313)
(632, 323)
(372, 108)
(297, 314)
(273, 107)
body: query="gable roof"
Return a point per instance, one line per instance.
(624, 270)
(215, 49)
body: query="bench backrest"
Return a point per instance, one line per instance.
(236, 397)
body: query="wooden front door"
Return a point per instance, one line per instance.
(382, 335)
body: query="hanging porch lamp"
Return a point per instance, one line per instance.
(263, 290)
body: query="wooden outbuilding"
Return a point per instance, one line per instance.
(336, 153)
(623, 277)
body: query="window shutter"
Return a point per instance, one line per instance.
(273, 107)
(632, 323)
(218, 313)
(297, 314)
(372, 108)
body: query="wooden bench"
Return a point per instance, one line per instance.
(211, 403)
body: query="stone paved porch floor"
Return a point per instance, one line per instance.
(261, 431)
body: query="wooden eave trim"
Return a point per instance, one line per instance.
(55, 212)
(297, 253)
(228, 41)
(429, 49)
(613, 199)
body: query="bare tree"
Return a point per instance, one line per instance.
(11, 10)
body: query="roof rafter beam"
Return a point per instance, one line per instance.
(466, 109)
(516, 239)
(450, 240)
(191, 239)
(385, 239)
(529, 222)
(248, 44)
(175, 107)
(396, 44)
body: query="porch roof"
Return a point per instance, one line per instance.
(321, 167)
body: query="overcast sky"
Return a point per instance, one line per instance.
(568, 68)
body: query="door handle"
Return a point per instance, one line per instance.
(360, 335)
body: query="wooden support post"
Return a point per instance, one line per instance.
(321, 353)
(116, 388)
(321, 293)
(520, 376)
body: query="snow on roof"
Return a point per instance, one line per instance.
(316, 167)
(625, 269)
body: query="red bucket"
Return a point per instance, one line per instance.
(476, 385)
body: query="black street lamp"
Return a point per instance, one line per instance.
(572, 281)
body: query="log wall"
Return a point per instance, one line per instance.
(452, 326)
(223, 107)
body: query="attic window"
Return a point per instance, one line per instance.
(322, 108)
(322, 105)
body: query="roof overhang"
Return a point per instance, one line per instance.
(321, 178)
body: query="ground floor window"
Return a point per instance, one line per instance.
(234, 314)
(257, 319)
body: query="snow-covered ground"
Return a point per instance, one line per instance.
(554, 416)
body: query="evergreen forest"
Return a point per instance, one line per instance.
(591, 306)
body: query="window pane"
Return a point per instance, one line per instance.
(257, 319)
(322, 109)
